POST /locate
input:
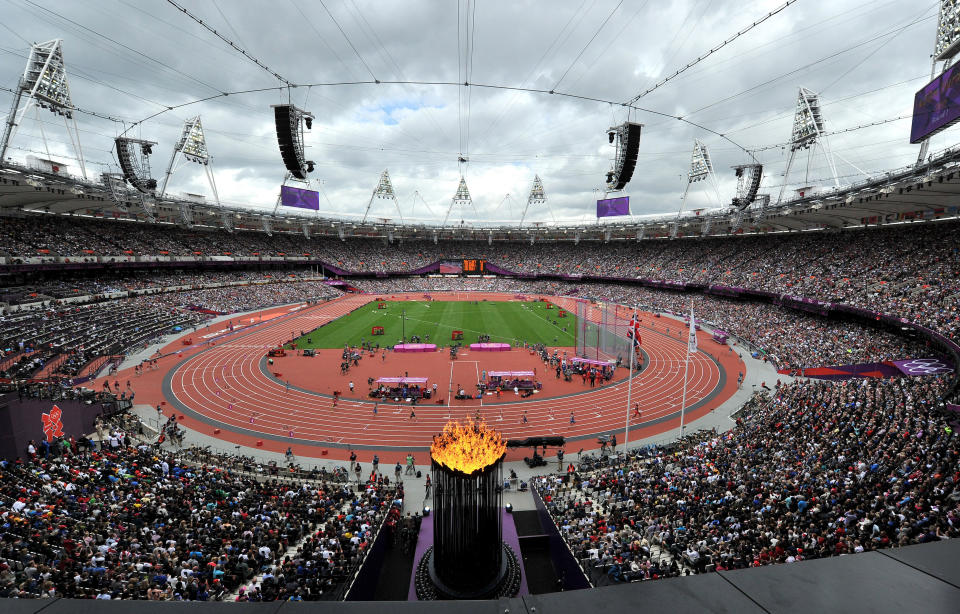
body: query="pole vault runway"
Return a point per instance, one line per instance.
(229, 392)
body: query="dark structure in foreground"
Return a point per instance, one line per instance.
(468, 559)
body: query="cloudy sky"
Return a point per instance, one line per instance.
(131, 59)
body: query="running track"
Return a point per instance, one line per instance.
(226, 385)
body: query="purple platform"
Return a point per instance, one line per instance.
(415, 347)
(490, 347)
(425, 540)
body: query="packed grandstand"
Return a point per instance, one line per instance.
(811, 469)
(171, 432)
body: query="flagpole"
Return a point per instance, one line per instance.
(683, 403)
(626, 430)
(691, 347)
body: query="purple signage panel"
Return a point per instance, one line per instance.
(302, 199)
(923, 366)
(937, 105)
(613, 206)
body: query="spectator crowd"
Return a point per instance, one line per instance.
(814, 470)
(124, 522)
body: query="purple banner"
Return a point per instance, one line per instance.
(843, 372)
(936, 106)
(613, 206)
(924, 366)
(301, 199)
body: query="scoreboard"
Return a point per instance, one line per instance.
(474, 266)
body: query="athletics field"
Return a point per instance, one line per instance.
(504, 321)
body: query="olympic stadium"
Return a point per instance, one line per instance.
(365, 305)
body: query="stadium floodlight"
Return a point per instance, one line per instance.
(760, 206)
(192, 146)
(748, 182)
(808, 131)
(134, 158)
(186, 213)
(384, 190)
(44, 85)
(290, 122)
(461, 198)
(226, 220)
(736, 221)
(701, 168)
(705, 226)
(700, 165)
(537, 197)
(948, 30)
(626, 138)
(807, 121)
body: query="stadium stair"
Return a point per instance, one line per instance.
(10, 360)
(52, 365)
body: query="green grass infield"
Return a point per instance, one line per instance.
(434, 322)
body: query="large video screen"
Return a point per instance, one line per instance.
(302, 199)
(937, 105)
(613, 206)
(474, 266)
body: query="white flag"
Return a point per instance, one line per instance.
(692, 343)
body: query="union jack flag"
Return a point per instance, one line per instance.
(634, 331)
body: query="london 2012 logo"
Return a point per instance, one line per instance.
(52, 425)
(924, 366)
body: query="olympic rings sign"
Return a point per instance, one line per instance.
(924, 366)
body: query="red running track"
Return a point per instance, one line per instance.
(225, 387)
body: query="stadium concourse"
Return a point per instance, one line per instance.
(228, 390)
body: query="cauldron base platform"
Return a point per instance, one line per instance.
(429, 587)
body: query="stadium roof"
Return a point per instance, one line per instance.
(435, 93)
(910, 194)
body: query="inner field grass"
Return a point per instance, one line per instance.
(505, 322)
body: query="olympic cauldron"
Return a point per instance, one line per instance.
(468, 559)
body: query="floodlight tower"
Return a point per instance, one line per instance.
(808, 132)
(383, 190)
(760, 206)
(43, 86)
(946, 46)
(461, 198)
(192, 147)
(701, 168)
(537, 197)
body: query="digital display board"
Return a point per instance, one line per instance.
(474, 266)
(302, 199)
(613, 206)
(937, 105)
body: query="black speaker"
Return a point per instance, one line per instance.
(632, 149)
(287, 120)
(628, 146)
